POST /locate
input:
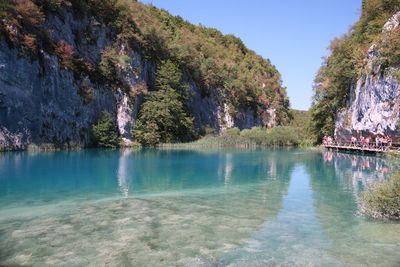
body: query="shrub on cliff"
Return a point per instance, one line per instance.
(6, 8)
(105, 132)
(383, 199)
(164, 117)
(388, 46)
(112, 64)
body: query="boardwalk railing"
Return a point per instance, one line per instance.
(359, 146)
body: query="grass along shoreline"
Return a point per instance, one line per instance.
(254, 137)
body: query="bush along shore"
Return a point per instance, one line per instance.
(382, 200)
(256, 136)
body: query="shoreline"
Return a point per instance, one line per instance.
(190, 145)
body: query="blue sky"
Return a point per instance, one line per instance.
(293, 34)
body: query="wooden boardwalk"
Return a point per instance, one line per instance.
(359, 148)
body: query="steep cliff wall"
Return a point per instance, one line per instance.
(41, 102)
(374, 105)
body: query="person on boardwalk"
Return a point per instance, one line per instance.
(353, 141)
(362, 141)
(389, 141)
(377, 141)
(384, 142)
(368, 141)
(330, 140)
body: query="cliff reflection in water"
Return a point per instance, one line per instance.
(356, 172)
(317, 224)
(337, 181)
(123, 171)
(160, 171)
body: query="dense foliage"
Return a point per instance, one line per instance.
(383, 199)
(164, 117)
(300, 118)
(105, 131)
(347, 61)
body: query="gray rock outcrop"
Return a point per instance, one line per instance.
(374, 104)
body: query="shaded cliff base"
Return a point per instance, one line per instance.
(43, 147)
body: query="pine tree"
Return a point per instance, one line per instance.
(164, 117)
(104, 131)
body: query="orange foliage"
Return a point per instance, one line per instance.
(11, 32)
(29, 41)
(65, 53)
(29, 13)
(263, 100)
(82, 66)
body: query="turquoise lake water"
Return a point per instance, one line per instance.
(204, 207)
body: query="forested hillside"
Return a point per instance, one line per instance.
(352, 57)
(119, 45)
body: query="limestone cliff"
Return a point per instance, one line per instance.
(374, 104)
(43, 103)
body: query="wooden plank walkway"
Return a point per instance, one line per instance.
(349, 147)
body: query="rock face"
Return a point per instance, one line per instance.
(42, 103)
(374, 105)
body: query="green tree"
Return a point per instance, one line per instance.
(105, 132)
(164, 117)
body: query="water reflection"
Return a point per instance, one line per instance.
(96, 173)
(123, 171)
(336, 180)
(293, 238)
(225, 170)
(355, 171)
(317, 223)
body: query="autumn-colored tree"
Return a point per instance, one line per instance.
(29, 41)
(65, 53)
(29, 13)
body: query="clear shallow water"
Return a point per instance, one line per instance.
(205, 207)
